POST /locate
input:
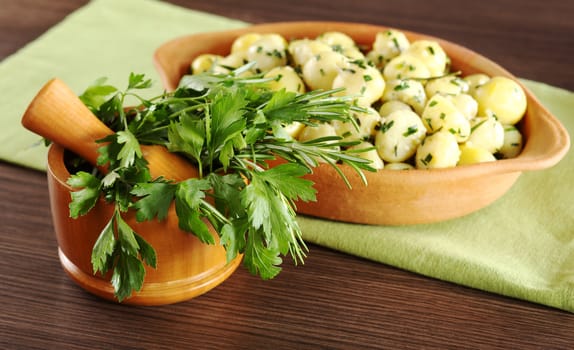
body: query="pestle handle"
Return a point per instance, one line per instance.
(57, 114)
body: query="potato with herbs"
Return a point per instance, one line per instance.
(399, 136)
(416, 112)
(409, 91)
(387, 45)
(360, 80)
(286, 78)
(503, 97)
(320, 71)
(366, 126)
(366, 150)
(439, 150)
(512, 144)
(487, 133)
(440, 114)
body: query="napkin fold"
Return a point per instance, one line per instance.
(522, 246)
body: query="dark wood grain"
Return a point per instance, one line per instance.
(334, 301)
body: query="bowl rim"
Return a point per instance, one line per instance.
(544, 154)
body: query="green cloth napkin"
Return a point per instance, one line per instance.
(521, 246)
(108, 38)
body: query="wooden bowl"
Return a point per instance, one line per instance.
(186, 267)
(395, 197)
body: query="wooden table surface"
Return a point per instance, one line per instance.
(333, 301)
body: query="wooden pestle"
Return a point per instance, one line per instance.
(57, 114)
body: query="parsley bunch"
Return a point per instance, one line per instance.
(229, 126)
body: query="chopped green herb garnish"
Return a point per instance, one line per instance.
(396, 42)
(411, 130)
(386, 126)
(402, 86)
(427, 159)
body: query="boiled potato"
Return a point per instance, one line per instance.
(411, 92)
(311, 132)
(367, 123)
(391, 106)
(291, 130)
(243, 42)
(399, 166)
(487, 133)
(440, 114)
(512, 145)
(406, 66)
(367, 151)
(204, 63)
(285, 78)
(470, 154)
(320, 70)
(400, 134)
(439, 150)
(475, 80)
(228, 63)
(269, 51)
(387, 45)
(503, 97)
(336, 39)
(465, 104)
(352, 53)
(431, 55)
(302, 50)
(447, 85)
(361, 80)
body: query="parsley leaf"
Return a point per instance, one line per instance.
(286, 178)
(130, 149)
(189, 198)
(97, 94)
(157, 198)
(119, 246)
(138, 81)
(84, 199)
(260, 258)
(104, 248)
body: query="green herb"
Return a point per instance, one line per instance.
(229, 127)
(429, 122)
(386, 126)
(403, 85)
(337, 48)
(411, 130)
(396, 43)
(427, 159)
(360, 63)
(367, 78)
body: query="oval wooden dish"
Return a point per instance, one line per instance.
(186, 266)
(395, 197)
